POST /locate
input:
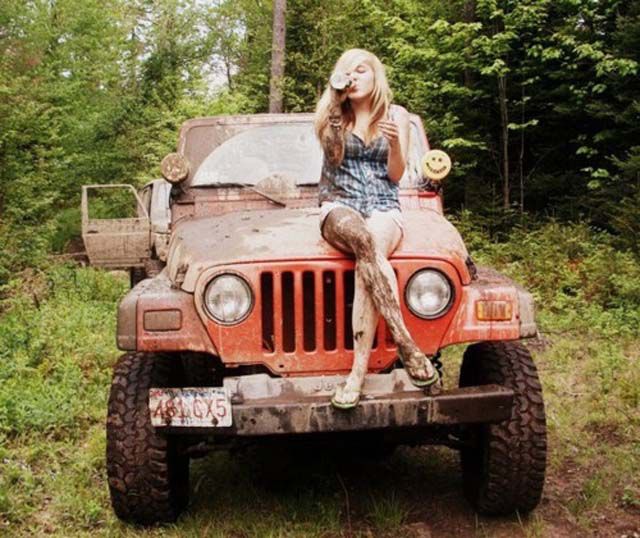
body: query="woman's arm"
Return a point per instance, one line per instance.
(396, 131)
(332, 136)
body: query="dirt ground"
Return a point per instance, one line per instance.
(451, 517)
(426, 488)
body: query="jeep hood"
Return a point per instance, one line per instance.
(291, 234)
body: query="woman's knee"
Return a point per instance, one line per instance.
(344, 225)
(364, 245)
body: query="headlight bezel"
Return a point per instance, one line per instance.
(447, 280)
(247, 286)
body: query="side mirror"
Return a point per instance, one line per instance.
(174, 168)
(436, 165)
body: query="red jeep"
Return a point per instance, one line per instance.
(237, 327)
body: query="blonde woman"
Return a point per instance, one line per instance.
(365, 140)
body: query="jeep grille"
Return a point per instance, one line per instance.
(322, 319)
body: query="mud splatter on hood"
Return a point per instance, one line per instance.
(291, 234)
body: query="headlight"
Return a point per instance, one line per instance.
(228, 299)
(428, 294)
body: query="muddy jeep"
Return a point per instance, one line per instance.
(237, 328)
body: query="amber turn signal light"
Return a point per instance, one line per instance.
(494, 310)
(162, 320)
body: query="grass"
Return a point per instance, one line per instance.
(388, 512)
(56, 352)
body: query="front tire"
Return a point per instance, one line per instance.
(503, 465)
(148, 474)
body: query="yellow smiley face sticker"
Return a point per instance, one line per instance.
(436, 165)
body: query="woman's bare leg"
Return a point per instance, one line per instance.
(386, 235)
(364, 321)
(345, 228)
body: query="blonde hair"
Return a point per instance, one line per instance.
(380, 96)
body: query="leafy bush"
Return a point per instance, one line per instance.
(574, 272)
(56, 346)
(66, 227)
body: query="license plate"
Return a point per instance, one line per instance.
(190, 407)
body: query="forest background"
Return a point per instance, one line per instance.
(537, 102)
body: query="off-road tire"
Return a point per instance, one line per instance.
(503, 465)
(148, 474)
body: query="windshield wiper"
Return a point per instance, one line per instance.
(276, 201)
(253, 188)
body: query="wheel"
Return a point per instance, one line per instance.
(148, 475)
(503, 465)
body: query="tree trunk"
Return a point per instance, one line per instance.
(468, 16)
(227, 65)
(277, 55)
(504, 122)
(521, 159)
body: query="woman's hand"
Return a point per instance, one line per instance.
(391, 131)
(332, 136)
(339, 84)
(396, 130)
(339, 96)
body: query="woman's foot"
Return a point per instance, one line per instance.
(420, 369)
(346, 397)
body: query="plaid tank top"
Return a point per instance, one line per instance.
(361, 181)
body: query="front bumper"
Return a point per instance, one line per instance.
(262, 406)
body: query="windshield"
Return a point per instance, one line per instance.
(248, 154)
(290, 150)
